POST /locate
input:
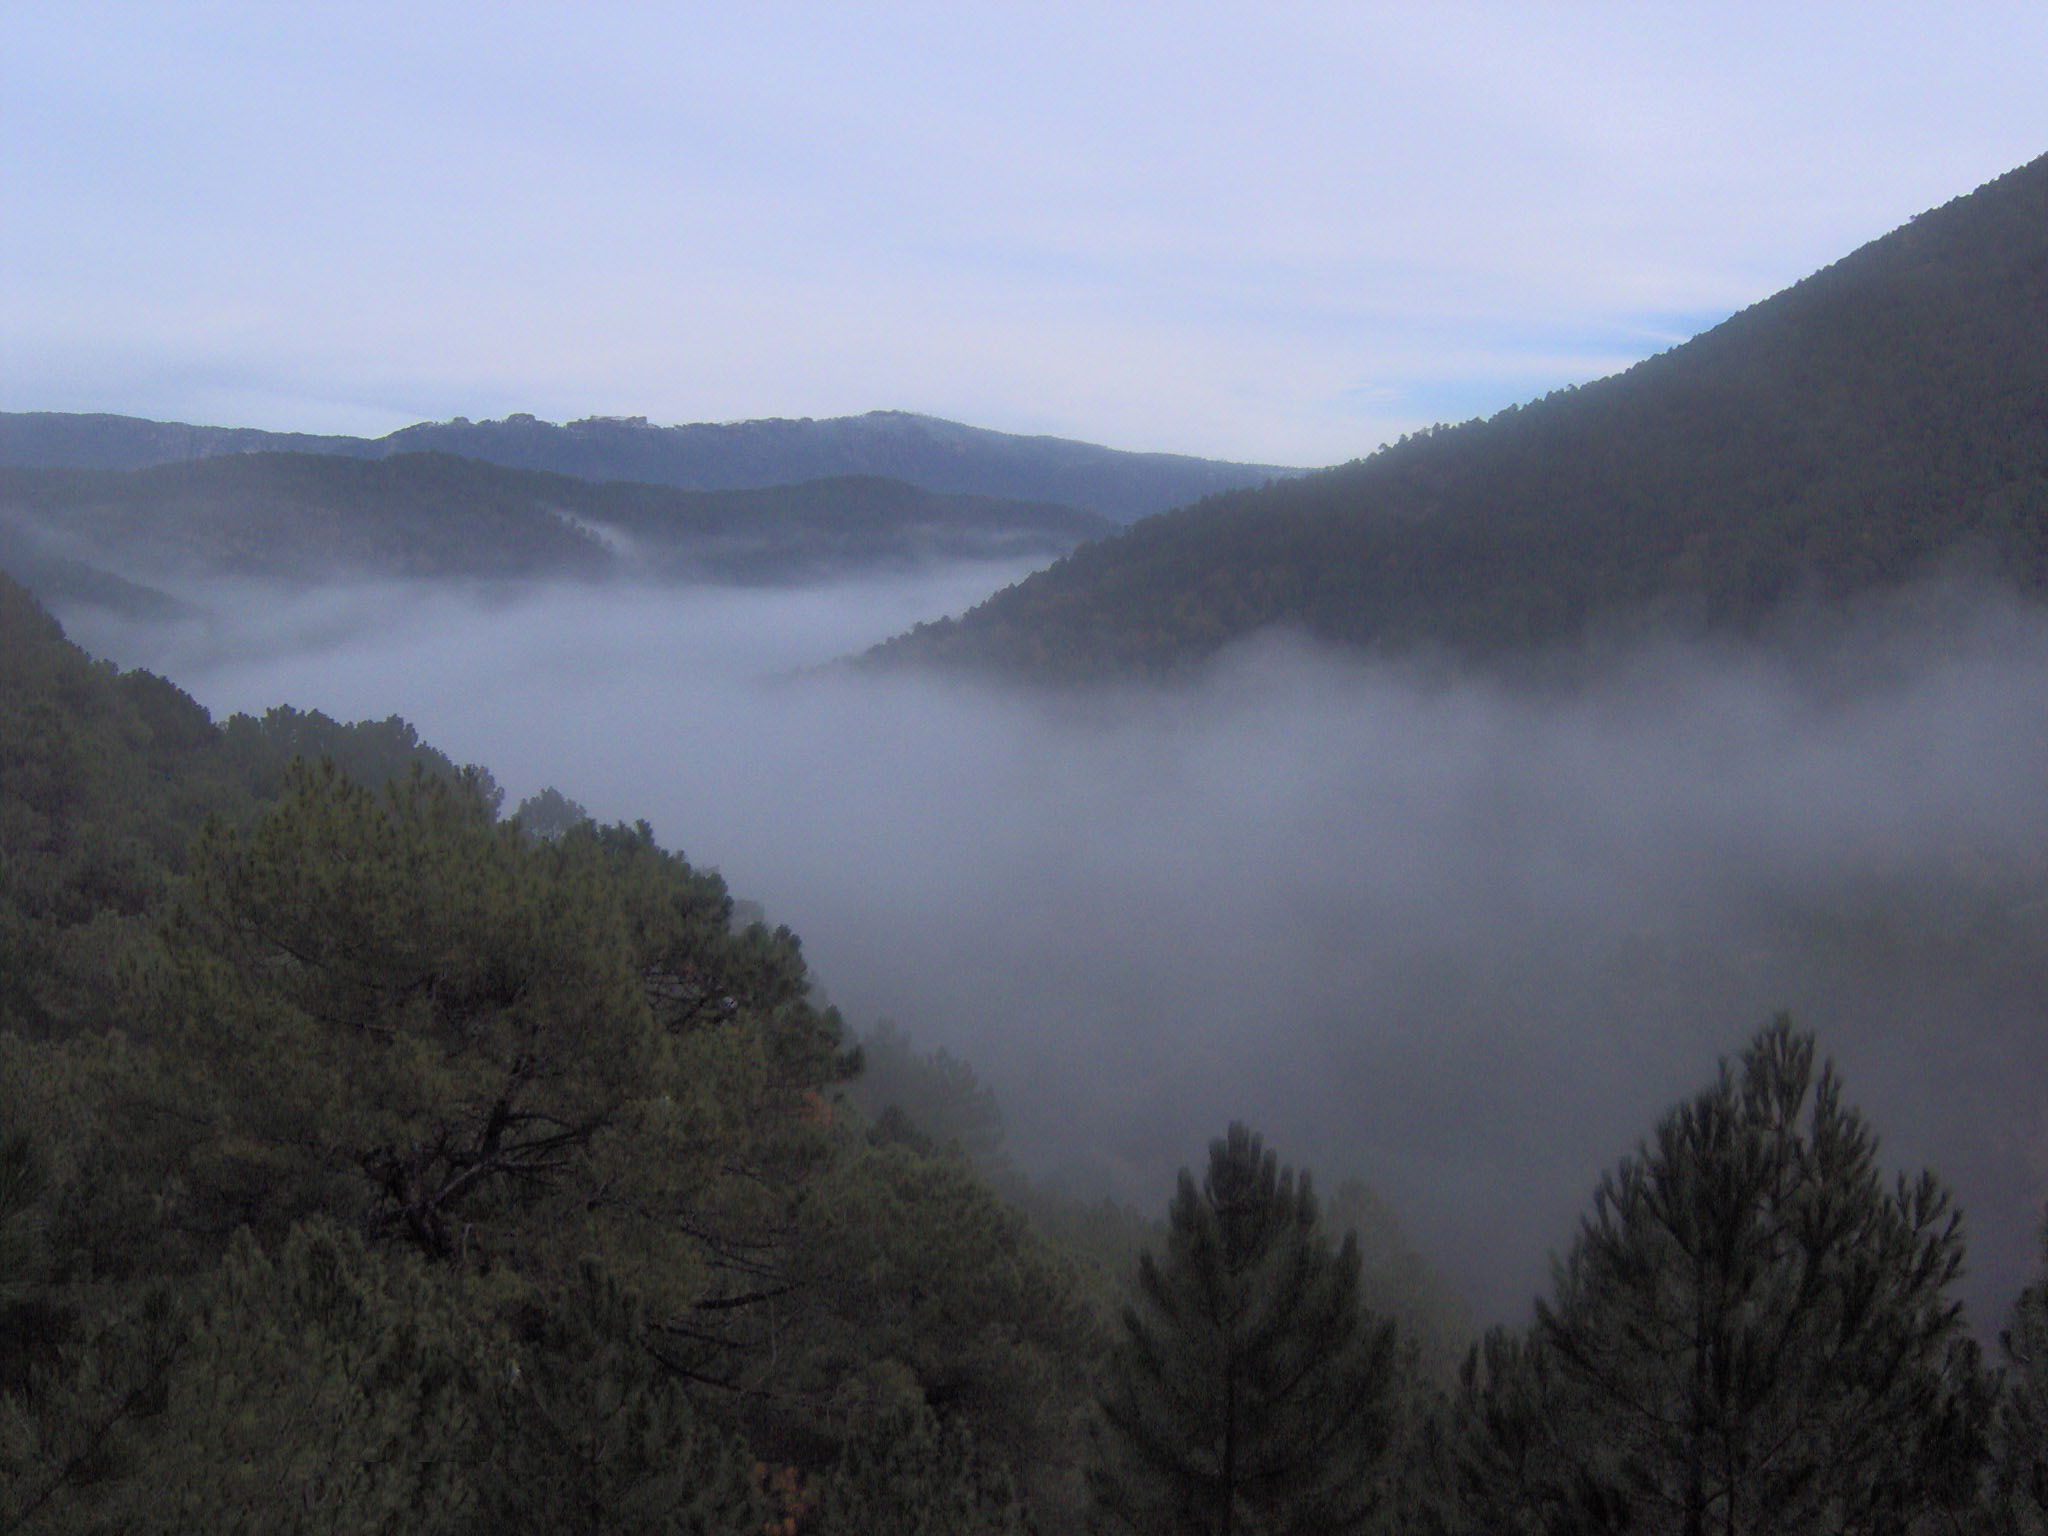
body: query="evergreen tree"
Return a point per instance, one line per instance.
(1251, 1393)
(547, 815)
(910, 1475)
(592, 1436)
(2019, 1483)
(1752, 1333)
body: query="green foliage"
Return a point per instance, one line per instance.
(395, 1009)
(402, 1170)
(2017, 1491)
(74, 1428)
(549, 814)
(910, 1475)
(589, 1433)
(1751, 1333)
(1250, 1393)
(325, 1388)
(1102, 1237)
(369, 1163)
(937, 1095)
(371, 753)
(922, 1289)
(101, 775)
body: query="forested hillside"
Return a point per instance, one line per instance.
(1871, 423)
(940, 456)
(313, 517)
(371, 1160)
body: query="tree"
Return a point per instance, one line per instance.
(549, 814)
(2019, 1481)
(392, 1009)
(1751, 1333)
(910, 1475)
(1251, 1393)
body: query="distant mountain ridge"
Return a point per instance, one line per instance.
(1880, 418)
(324, 517)
(943, 456)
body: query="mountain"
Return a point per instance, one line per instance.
(1877, 420)
(923, 450)
(310, 517)
(61, 580)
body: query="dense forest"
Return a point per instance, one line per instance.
(1876, 422)
(371, 1159)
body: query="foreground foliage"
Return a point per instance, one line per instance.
(1250, 1392)
(1752, 1333)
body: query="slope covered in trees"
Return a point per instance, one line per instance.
(941, 456)
(311, 517)
(1870, 423)
(372, 1161)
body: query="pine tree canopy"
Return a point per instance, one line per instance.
(1251, 1393)
(1753, 1332)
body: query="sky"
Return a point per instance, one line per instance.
(1284, 234)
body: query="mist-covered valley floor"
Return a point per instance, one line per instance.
(1462, 936)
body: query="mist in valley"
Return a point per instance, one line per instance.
(1460, 935)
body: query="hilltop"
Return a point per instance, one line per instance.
(941, 456)
(318, 517)
(1878, 420)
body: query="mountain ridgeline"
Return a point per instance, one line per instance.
(1875, 421)
(307, 517)
(941, 456)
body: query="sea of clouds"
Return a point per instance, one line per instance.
(1461, 934)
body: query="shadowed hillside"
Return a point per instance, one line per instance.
(1877, 419)
(306, 516)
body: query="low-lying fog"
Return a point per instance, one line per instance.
(1466, 939)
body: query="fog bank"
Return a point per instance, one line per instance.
(1463, 937)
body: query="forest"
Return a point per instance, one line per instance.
(376, 1160)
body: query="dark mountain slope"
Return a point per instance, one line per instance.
(938, 455)
(1848, 433)
(70, 440)
(314, 516)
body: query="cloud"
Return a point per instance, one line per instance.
(1187, 230)
(1463, 936)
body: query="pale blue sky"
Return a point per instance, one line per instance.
(1288, 232)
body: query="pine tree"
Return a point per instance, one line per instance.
(2018, 1488)
(1752, 1333)
(910, 1475)
(1251, 1393)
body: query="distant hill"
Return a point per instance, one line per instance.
(64, 581)
(922, 450)
(311, 517)
(1883, 416)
